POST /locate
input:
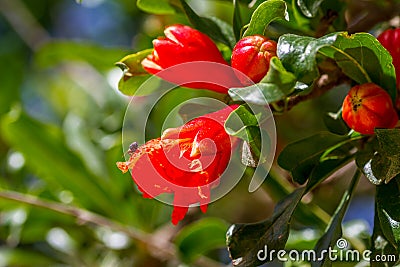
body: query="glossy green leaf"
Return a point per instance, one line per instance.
(309, 7)
(134, 75)
(56, 52)
(45, 152)
(334, 231)
(158, 7)
(245, 241)
(324, 169)
(199, 237)
(387, 203)
(380, 243)
(335, 123)
(362, 58)
(298, 54)
(275, 86)
(302, 156)
(279, 76)
(265, 13)
(213, 27)
(382, 163)
(389, 141)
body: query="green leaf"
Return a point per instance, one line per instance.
(382, 163)
(382, 237)
(56, 52)
(265, 13)
(158, 7)
(200, 237)
(335, 123)
(389, 141)
(134, 75)
(334, 230)
(309, 7)
(362, 58)
(279, 76)
(275, 86)
(388, 212)
(243, 124)
(225, 31)
(298, 54)
(245, 241)
(301, 157)
(213, 27)
(237, 22)
(326, 168)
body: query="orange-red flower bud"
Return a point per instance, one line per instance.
(251, 55)
(390, 39)
(183, 44)
(368, 106)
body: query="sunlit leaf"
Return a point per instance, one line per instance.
(134, 75)
(309, 7)
(243, 124)
(265, 13)
(362, 58)
(386, 235)
(298, 54)
(382, 163)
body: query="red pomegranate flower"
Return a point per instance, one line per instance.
(186, 161)
(368, 106)
(183, 44)
(390, 39)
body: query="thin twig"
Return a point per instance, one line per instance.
(331, 76)
(164, 249)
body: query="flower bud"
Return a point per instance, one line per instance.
(368, 106)
(251, 55)
(390, 39)
(183, 44)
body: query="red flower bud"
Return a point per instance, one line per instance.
(368, 106)
(390, 39)
(182, 44)
(186, 161)
(251, 55)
